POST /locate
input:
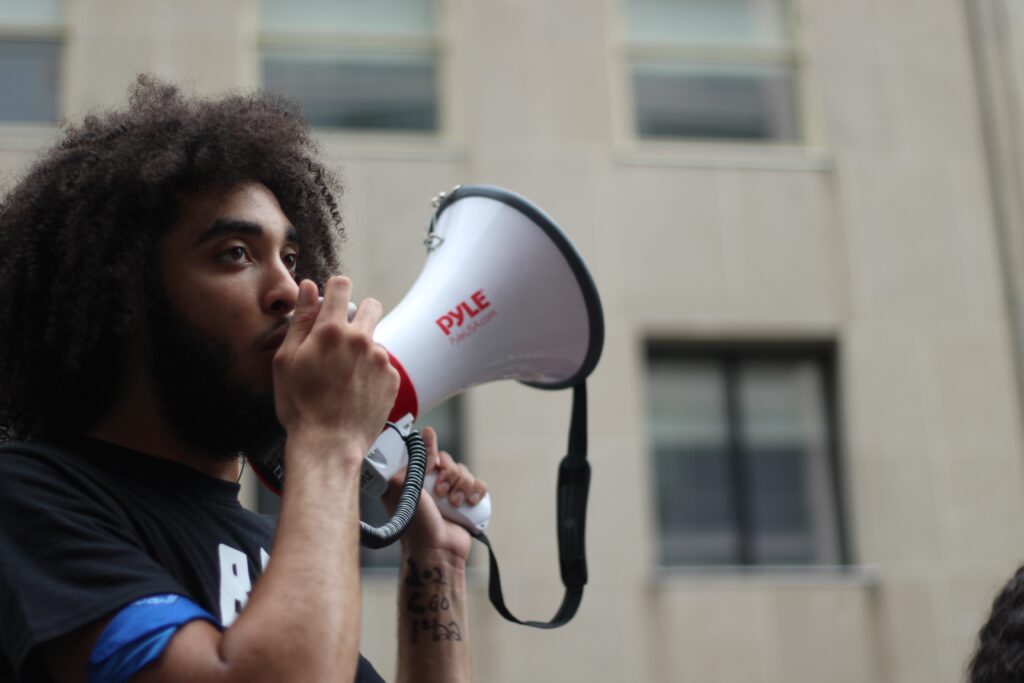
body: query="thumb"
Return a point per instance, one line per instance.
(430, 441)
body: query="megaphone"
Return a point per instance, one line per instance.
(503, 294)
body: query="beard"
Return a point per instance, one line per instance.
(200, 394)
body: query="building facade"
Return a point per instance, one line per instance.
(805, 221)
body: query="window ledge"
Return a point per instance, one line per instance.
(713, 155)
(768, 576)
(27, 137)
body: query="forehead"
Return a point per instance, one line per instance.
(248, 202)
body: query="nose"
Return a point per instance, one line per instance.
(281, 293)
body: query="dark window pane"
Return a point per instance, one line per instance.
(715, 102)
(778, 506)
(689, 430)
(342, 90)
(785, 437)
(29, 79)
(695, 507)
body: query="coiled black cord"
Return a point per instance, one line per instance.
(382, 536)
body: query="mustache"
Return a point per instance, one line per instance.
(273, 335)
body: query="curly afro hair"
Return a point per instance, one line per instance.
(79, 235)
(999, 656)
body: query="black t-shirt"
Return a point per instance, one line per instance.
(87, 528)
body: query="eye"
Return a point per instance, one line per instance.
(291, 260)
(235, 254)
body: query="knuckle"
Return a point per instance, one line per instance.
(380, 356)
(394, 380)
(360, 342)
(330, 332)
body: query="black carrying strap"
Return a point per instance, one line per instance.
(573, 486)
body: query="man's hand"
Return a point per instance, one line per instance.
(329, 375)
(428, 530)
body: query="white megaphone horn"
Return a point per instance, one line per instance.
(503, 294)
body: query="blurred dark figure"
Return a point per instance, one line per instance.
(999, 657)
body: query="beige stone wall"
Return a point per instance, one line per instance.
(878, 234)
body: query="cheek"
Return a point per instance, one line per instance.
(217, 308)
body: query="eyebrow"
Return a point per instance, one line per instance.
(236, 226)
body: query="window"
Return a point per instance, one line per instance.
(713, 69)
(743, 442)
(446, 419)
(354, 64)
(31, 47)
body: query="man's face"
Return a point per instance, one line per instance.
(228, 275)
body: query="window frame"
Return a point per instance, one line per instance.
(804, 151)
(728, 356)
(355, 42)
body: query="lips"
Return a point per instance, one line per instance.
(272, 339)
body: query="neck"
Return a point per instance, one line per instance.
(135, 421)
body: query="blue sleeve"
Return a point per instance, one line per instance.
(139, 634)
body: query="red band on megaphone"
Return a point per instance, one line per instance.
(406, 401)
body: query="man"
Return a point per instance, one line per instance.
(160, 313)
(999, 652)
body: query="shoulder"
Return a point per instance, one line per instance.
(33, 466)
(35, 469)
(18, 454)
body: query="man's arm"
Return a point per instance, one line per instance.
(433, 617)
(333, 389)
(433, 624)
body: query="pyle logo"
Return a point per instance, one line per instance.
(464, 312)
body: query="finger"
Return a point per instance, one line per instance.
(462, 486)
(306, 309)
(337, 293)
(447, 474)
(368, 314)
(477, 493)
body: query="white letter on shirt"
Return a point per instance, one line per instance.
(234, 583)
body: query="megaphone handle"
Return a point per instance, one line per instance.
(474, 518)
